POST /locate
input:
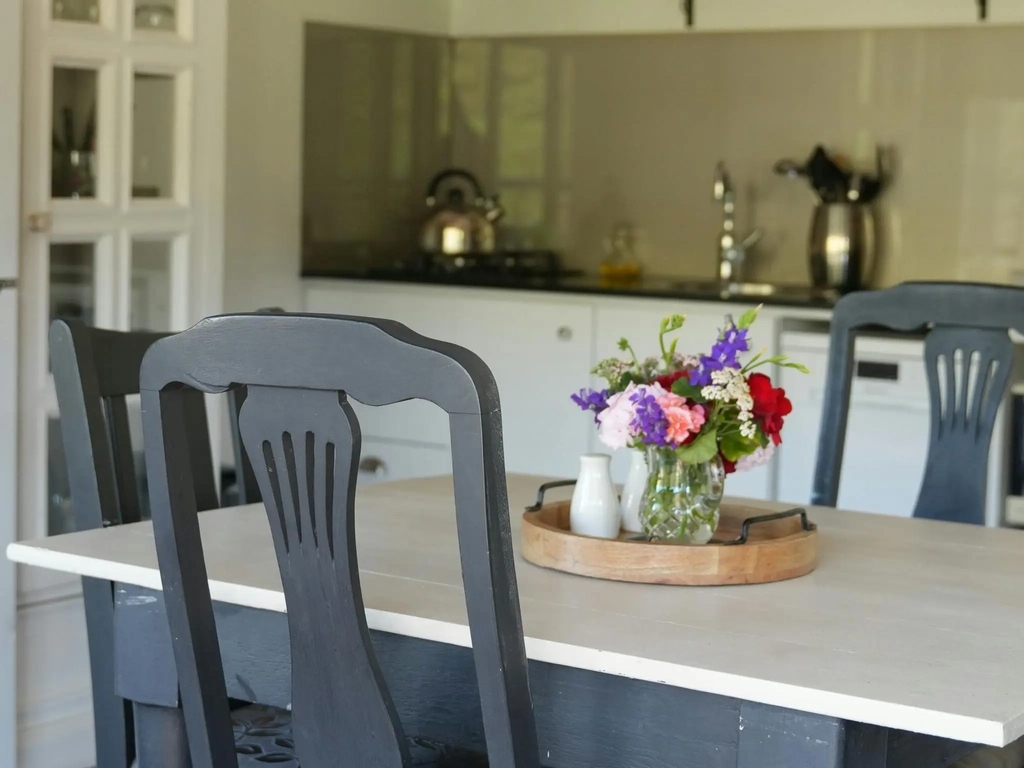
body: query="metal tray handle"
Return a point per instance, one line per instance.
(806, 524)
(547, 487)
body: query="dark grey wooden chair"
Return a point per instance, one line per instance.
(968, 357)
(94, 372)
(304, 438)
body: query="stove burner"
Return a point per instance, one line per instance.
(512, 263)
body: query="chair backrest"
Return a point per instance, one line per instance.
(94, 371)
(248, 488)
(304, 440)
(968, 358)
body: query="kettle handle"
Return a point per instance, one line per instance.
(435, 184)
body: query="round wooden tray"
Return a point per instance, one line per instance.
(750, 547)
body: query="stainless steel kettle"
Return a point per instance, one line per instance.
(842, 246)
(458, 227)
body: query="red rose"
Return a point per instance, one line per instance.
(730, 466)
(667, 380)
(770, 405)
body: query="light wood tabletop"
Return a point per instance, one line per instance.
(909, 624)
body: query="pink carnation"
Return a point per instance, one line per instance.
(683, 420)
(615, 423)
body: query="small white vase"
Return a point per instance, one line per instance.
(633, 492)
(595, 508)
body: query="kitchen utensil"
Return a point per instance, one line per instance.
(827, 178)
(791, 169)
(842, 246)
(853, 189)
(458, 227)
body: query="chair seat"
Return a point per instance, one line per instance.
(263, 736)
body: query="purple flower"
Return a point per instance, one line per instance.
(591, 400)
(724, 354)
(650, 422)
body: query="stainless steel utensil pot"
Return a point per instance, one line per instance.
(842, 246)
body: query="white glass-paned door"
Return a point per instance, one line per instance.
(109, 185)
(121, 218)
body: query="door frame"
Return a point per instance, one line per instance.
(10, 251)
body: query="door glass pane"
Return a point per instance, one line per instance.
(151, 285)
(74, 132)
(76, 10)
(59, 515)
(72, 281)
(156, 14)
(153, 136)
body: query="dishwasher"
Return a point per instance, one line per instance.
(887, 430)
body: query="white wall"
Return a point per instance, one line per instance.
(264, 133)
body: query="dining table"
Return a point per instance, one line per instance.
(904, 648)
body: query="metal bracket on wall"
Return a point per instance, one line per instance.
(8, 283)
(982, 10)
(686, 6)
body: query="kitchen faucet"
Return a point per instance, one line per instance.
(731, 254)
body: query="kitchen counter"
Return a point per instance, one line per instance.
(648, 286)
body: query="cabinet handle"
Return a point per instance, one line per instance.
(372, 465)
(564, 333)
(982, 10)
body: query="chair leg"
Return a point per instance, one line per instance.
(160, 740)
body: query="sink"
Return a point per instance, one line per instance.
(712, 288)
(748, 290)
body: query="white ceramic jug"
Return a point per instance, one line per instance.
(595, 507)
(633, 491)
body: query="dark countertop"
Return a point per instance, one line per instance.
(650, 286)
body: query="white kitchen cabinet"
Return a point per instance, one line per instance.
(498, 18)
(538, 348)
(416, 421)
(639, 322)
(384, 460)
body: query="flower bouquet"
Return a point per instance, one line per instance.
(699, 418)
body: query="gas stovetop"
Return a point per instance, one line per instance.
(513, 264)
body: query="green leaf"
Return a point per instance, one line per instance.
(747, 318)
(672, 348)
(735, 446)
(700, 450)
(684, 388)
(796, 367)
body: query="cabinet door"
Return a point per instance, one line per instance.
(499, 18)
(121, 191)
(639, 322)
(540, 353)
(387, 460)
(753, 15)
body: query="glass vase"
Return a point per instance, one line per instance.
(681, 501)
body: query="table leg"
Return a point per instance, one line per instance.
(160, 740)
